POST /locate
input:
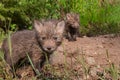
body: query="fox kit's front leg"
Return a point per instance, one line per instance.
(36, 62)
(74, 37)
(36, 57)
(69, 36)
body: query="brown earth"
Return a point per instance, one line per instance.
(99, 53)
(96, 53)
(94, 48)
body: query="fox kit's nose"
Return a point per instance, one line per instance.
(49, 48)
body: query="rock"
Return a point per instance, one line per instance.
(93, 71)
(90, 60)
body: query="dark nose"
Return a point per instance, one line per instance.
(49, 48)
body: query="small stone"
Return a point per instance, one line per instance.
(84, 36)
(93, 71)
(90, 60)
(86, 77)
(95, 53)
(100, 46)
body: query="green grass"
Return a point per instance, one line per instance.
(95, 15)
(2, 36)
(96, 18)
(4, 68)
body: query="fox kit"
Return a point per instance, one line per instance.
(72, 26)
(44, 39)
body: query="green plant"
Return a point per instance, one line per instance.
(94, 14)
(112, 70)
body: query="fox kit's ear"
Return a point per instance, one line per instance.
(60, 26)
(38, 25)
(68, 16)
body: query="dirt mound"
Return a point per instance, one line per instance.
(97, 53)
(91, 47)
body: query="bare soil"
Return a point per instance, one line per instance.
(95, 47)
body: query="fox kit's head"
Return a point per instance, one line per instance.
(72, 19)
(49, 34)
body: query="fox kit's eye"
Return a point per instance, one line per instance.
(55, 38)
(43, 38)
(73, 22)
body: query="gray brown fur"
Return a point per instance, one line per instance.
(72, 26)
(45, 38)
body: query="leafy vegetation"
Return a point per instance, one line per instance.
(96, 16)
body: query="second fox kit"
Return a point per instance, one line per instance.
(46, 37)
(72, 26)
